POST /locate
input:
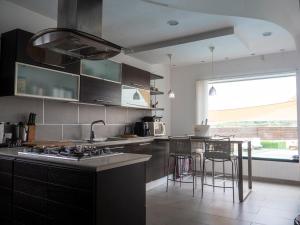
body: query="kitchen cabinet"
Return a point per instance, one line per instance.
(135, 77)
(135, 97)
(6, 182)
(21, 76)
(45, 194)
(97, 91)
(102, 69)
(157, 165)
(33, 81)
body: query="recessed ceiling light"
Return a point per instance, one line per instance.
(173, 22)
(267, 34)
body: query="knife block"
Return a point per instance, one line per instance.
(31, 133)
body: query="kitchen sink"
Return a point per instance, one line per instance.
(99, 140)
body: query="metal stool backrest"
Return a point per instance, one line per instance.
(180, 146)
(218, 149)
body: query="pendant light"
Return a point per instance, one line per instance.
(136, 95)
(171, 94)
(212, 90)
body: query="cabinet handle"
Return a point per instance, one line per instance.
(102, 100)
(143, 144)
(141, 106)
(138, 85)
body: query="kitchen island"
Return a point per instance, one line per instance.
(108, 190)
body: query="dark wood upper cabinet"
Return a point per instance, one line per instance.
(22, 76)
(14, 49)
(98, 91)
(135, 77)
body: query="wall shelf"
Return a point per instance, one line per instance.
(155, 77)
(152, 92)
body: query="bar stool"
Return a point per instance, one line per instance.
(184, 161)
(218, 151)
(234, 157)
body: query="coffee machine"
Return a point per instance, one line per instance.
(142, 129)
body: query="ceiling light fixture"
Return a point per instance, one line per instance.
(136, 96)
(267, 34)
(173, 22)
(212, 90)
(170, 92)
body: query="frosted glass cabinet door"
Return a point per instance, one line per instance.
(103, 69)
(40, 82)
(135, 97)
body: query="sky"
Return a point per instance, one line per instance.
(241, 94)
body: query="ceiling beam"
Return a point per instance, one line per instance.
(182, 40)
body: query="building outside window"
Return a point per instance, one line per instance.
(264, 110)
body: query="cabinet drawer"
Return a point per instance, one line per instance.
(31, 203)
(6, 165)
(99, 91)
(5, 211)
(5, 221)
(5, 196)
(71, 197)
(5, 180)
(63, 215)
(71, 178)
(30, 187)
(30, 170)
(25, 217)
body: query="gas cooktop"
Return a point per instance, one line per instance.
(79, 152)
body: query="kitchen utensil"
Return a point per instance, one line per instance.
(31, 133)
(23, 130)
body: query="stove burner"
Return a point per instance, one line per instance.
(79, 152)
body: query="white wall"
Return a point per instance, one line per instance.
(183, 82)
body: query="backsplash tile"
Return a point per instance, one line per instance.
(60, 112)
(48, 132)
(16, 109)
(59, 120)
(135, 115)
(90, 113)
(72, 132)
(116, 115)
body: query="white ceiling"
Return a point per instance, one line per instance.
(134, 22)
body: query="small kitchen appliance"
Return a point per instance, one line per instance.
(157, 128)
(141, 129)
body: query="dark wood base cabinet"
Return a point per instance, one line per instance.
(157, 166)
(34, 193)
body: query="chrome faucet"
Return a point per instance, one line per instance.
(92, 133)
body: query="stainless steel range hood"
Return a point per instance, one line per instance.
(77, 37)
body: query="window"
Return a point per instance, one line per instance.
(264, 110)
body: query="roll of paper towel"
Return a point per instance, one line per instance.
(202, 130)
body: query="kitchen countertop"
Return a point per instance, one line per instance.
(96, 163)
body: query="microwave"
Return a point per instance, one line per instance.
(157, 128)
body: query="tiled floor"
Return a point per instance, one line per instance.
(269, 204)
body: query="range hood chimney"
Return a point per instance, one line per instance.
(77, 36)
